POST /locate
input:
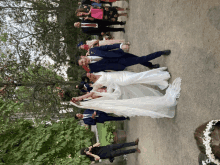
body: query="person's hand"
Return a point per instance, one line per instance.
(87, 153)
(97, 158)
(86, 18)
(93, 115)
(76, 100)
(87, 54)
(102, 33)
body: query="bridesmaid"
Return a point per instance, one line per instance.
(104, 13)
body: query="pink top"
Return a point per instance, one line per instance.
(97, 13)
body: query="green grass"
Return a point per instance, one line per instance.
(102, 133)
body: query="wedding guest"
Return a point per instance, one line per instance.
(103, 13)
(91, 117)
(98, 27)
(96, 152)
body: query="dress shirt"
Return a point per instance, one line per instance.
(85, 116)
(84, 25)
(93, 59)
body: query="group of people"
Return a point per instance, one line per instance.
(109, 89)
(96, 18)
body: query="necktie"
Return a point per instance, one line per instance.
(90, 25)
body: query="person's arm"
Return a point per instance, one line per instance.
(87, 54)
(93, 155)
(85, 96)
(96, 145)
(86, 126)
(91, 94)
(94, 114)
(89, 18)
(93, 43)
(90, 10)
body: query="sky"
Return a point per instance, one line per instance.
(12, 28)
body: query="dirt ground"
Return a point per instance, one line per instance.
(191, 29)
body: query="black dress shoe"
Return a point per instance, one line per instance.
(154, 66)
(166, 52)
(123, 23)
(123, 30)
(136, 141)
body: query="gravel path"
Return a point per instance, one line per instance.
(191, 29)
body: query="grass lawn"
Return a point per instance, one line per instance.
(102, 134)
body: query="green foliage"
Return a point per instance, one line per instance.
(58, 143)
(35, 87)
(7, 109)
(110, 128)
(4, 37)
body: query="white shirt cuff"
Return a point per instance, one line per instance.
(121, 45)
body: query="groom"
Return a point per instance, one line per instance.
(107, 58)
(91, 117)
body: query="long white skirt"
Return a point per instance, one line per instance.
(155, 106)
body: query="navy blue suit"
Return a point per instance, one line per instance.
(102, 27)
(101, 119)
(118, 60)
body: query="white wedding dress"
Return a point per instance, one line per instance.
(127, 97)
(156, 77)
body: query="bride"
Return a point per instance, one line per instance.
(126, 96)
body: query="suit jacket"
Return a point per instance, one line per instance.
(91, 121)
(110, 58)
(86, 2)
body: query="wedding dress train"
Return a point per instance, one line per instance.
(128, 101)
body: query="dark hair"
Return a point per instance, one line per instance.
(77, 60)
(85, 79)
(76, 117)
(83, 151)
(80, 86)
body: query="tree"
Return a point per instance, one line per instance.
(38, 26)
(28, 37)
(58, 143)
